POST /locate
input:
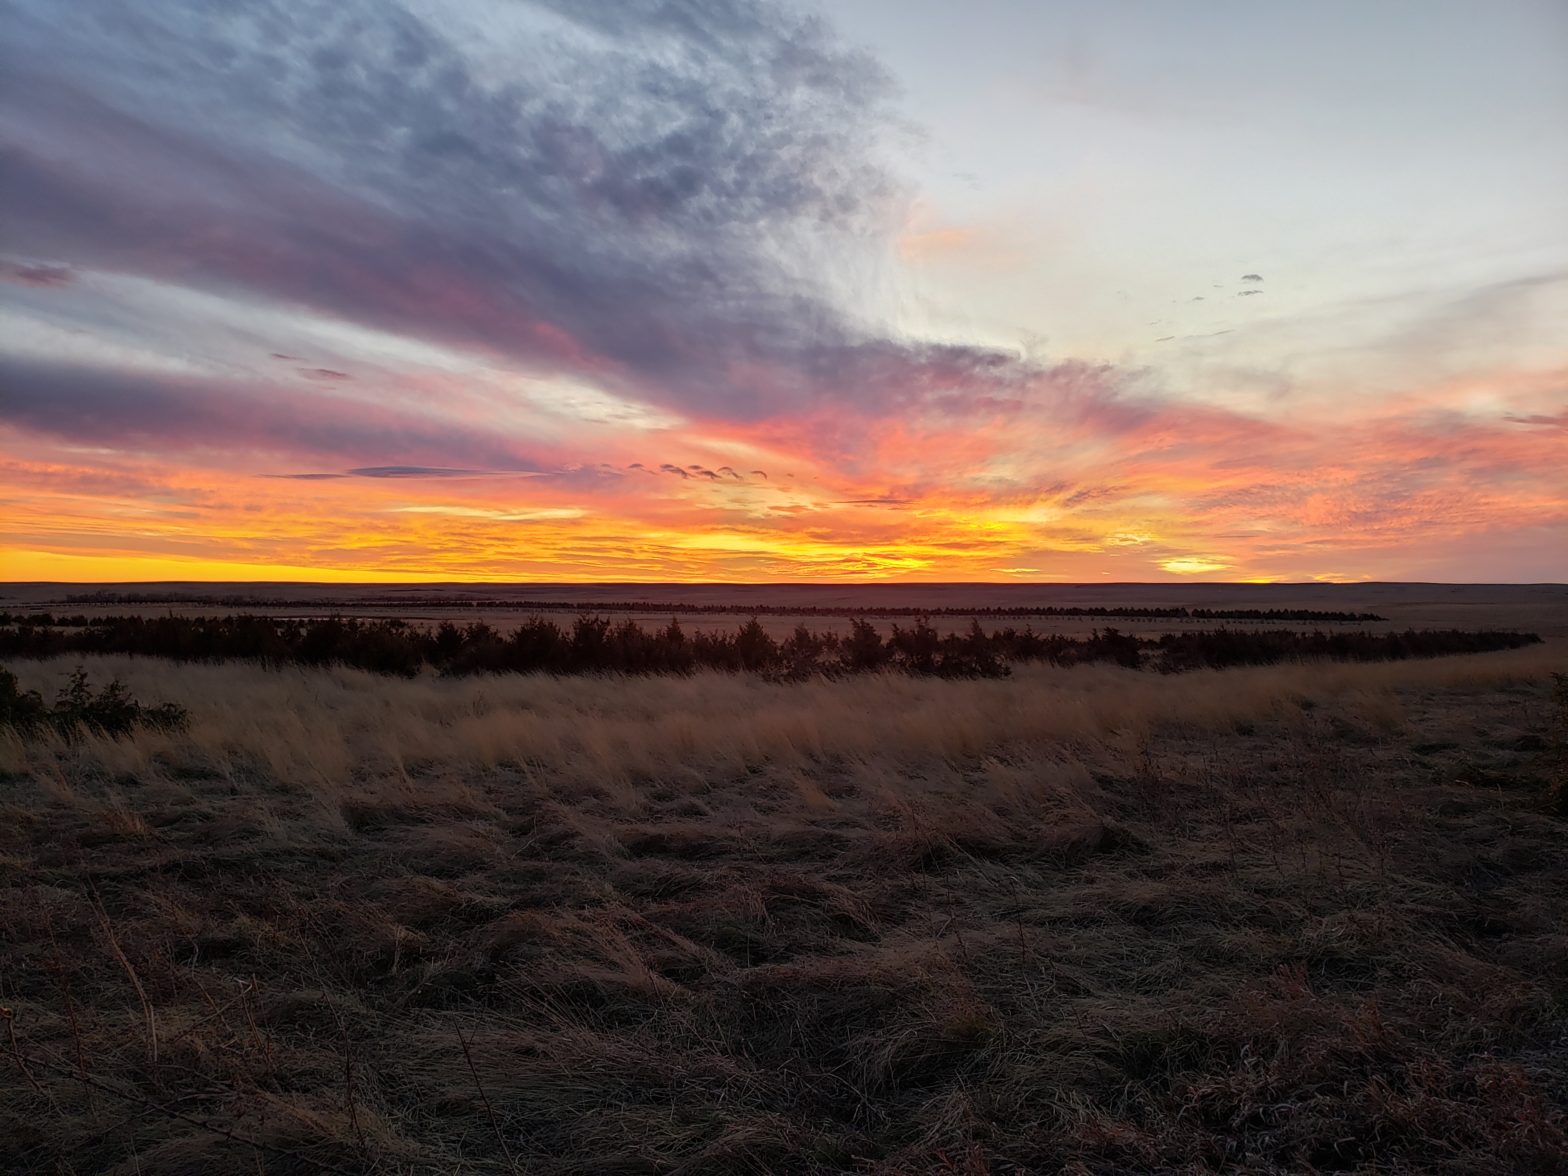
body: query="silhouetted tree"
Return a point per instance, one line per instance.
(863, 650)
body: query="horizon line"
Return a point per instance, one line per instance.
(385, 584)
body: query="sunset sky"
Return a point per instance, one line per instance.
(720, 290)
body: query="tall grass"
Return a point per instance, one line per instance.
(1299, 918)
(323, 726)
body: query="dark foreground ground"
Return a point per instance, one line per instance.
(1326, 938)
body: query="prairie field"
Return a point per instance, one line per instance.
(1291, 918)
(1542, 608)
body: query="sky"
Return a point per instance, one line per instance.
(724, 290)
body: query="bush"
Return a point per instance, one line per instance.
(112, 711)
(595, 645)
(22, 709)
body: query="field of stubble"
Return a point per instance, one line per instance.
(1305, 918)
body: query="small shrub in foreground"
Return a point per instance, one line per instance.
(111, 711)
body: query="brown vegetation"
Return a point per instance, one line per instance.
(595, 645)
(403, 601)
(1295, 918)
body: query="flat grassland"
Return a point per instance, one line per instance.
(1292, 918)
(1541, 608)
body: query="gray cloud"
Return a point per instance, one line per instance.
(1540, 419)
(641, 194)
(409, 471)
(1251, 277)
(627, 196)
(894, 501)
(184, 412)
(35, 274)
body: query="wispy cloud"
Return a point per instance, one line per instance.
(35, 274)
(320, 162)
(491, 513)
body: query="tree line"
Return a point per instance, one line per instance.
(596, 644)
(671, 608)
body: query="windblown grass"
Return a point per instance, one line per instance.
(1299, 918)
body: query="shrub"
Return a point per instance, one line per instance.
(111, 711)
(22, 709)
(594, 645)
(864, 649)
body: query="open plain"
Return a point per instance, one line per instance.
(1290, 918)
(1541, 608)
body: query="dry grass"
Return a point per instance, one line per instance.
(326, 729)
(1303, 918)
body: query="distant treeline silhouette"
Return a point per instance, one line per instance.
(596, 644)
(673, 608)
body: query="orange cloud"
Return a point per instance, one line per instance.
(922, 244)
(1069, 482)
